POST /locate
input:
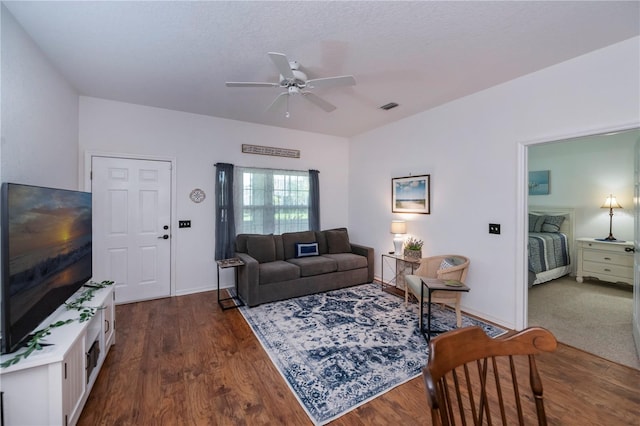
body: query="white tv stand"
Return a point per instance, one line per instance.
(51, 386)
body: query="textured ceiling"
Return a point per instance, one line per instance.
(420, 54)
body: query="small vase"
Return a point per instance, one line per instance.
(414, 254)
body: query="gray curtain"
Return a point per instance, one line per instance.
(225, 224)
(314, 200)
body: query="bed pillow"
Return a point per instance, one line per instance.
(552, 223)
(307, 249)
(535, 222)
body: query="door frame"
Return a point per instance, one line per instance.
(522, 202)
(85, 178)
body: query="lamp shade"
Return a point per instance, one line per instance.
(398, 227)
(611, 203)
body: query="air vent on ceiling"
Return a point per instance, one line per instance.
(389, 106)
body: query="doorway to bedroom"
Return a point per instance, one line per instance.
(579, 174)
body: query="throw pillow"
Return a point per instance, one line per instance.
(450, 262)
(289, 240)
(262, 248)
(338, 241)
(307, 249)
(552, 223)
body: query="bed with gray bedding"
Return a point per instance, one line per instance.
(548, 247)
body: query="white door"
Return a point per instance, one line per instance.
(132, 226)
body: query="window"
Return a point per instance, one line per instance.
(269, 201)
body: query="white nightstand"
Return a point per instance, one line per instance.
(607, 261)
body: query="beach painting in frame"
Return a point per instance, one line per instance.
(411, 194)
(539, 182)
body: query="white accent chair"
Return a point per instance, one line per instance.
(444, 267)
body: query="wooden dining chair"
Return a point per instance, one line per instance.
(471, 378)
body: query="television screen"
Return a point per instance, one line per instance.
(46, 255)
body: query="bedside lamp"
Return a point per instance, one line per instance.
(610, 203)
(398, 227)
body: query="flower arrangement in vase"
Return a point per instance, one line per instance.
(413, 248)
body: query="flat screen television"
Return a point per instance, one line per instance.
(46, 255)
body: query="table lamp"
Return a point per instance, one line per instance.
(610, 203)
(398, 227)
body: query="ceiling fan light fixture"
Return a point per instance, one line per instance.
(389, 106)
(296, 82)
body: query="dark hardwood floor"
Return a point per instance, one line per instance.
(184, 361)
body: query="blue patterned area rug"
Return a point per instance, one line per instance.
(340, 349)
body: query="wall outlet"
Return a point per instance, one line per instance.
(494, 228)
(184, 224)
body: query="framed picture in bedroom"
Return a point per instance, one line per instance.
(539, 182)
(411, 194)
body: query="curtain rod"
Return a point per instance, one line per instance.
(268, 168)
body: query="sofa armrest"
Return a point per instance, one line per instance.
(367, 252)
(248, 279)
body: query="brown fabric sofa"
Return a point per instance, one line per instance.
(293, 264)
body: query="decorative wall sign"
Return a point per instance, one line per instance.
(197, 195)
(411, 194)
(539, 183)
(270, 150)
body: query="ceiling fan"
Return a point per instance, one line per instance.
(295, 82)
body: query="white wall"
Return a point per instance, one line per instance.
(471, 149)
(469, 146)
(197, 142)
(39, 115)
(583, 172)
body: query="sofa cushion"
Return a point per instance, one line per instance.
(277, 239)
(348, 261)
(289, 240)
(276, 271)
(338, 241)
(262, 248)
(321, 238)
(414, 282)
(241, 242)
(307, 249)
(315, 265)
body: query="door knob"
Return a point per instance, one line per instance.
(164, 237)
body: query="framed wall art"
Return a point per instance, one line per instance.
(539, 182)
(411, 194)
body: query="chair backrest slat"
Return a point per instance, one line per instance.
(486, 388)
(496, 378)
(514, 381)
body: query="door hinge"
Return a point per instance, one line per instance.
(91, 175)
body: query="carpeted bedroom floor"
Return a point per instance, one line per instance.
(593, 316)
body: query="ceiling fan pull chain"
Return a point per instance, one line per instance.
(286, 114)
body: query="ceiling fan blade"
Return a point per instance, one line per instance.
(321, 83)
(250, 84)
(282, 64)
(318, 101)
(278, 101)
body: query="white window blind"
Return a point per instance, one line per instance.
(270, 201)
